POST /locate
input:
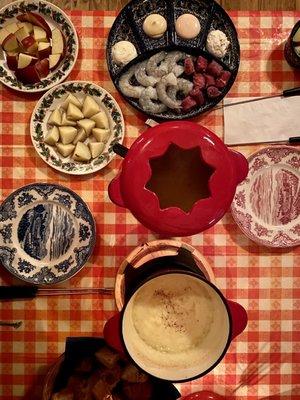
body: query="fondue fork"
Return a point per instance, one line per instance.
(30, 292)
(14, 325)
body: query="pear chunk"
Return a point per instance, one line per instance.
(74, 112)
(67, 134)
(82, 152)
(87, 125)
(90, 107)
(81, 136)
(52, 137)
(101, 135)
(65, 149)
(55, 118)
(66, 121)
(96, 149)
(101, 120)
(71, 99)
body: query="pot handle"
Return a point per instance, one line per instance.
(239, 318)
(241, 165)
(114, 191)
(112, 333)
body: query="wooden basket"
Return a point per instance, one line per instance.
(50, 379)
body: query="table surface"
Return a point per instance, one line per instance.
(265, 359)
(228, 4)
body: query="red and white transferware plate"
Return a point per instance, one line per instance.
(266, 205)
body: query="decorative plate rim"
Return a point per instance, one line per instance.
(57, 76)
(92, 223)
(234, 210)
(36, 124)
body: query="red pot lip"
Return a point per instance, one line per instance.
(144, 204)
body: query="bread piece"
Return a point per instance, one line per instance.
(100, 390)
(63, 395)
(107, 357)
(132, 374)
(137, 391)
(85, 366)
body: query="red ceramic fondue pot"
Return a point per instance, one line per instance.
(128, 189)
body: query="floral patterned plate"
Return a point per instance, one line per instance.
(51, 100)
(47, 233)
(266, 205)
(55, 17)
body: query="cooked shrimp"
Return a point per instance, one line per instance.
(172, 59)
(146, 101)
(142, 77)
(183, 85)
(161, 88)
(126, 87)
(153, 68)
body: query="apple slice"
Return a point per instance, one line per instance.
(35, 19)
(21, 34)
(53, 136)
(3, 35)
(12, 28)
(67, 134)
(66, 121)
(101, 135)
(87, 125)
(12, 60)
(27, 26)
(81, 136)
(81, 152)
(58, 42)
(25, 60)
(65, 149)
(74, 113)
(296, 37)
(42, 67)
(55, 118)
(101, 120)
(71, 99)
(29, 44)
(90, 107)
(28, 75)
(10, 44)
(40, 34)
(54, 60)
(96, 149)
(44, 49)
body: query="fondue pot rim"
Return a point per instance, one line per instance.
(195, 275)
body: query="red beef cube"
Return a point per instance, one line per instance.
(209, 80)
(223, 80)
(201, 64)
(199, 80)
(214, 69)
(213, 92)
(189, 66)
(188, 103)
(197, 95)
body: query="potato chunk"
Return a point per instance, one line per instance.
(53, 136)
(101, 120)
(90, 107)
(82, 152)
(87, 125)
(96, 148)
(55, 118)
(65, 149)
(71, 99)
(81, 136)
(74, 112)
(66, 121)
(101, 135)
(67, 134)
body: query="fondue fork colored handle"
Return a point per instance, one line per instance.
(30, 292)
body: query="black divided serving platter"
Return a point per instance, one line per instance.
(128, 26)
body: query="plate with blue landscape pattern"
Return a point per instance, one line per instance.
(47, 233)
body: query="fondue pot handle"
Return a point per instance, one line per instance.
(114, 192)
(239, 318)
(112, 333)
(241, 165)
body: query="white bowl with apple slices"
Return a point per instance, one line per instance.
(39, 46)
(74, 127)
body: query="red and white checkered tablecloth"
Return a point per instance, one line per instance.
(265, 359)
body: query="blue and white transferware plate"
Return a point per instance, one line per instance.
(47, 233)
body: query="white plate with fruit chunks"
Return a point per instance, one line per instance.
(74, 127)
(39, 46)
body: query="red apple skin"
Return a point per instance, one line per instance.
(42, 67)
(29, 44)
(35, 19)
(28, 75)
(44, 53)
(12, 61)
